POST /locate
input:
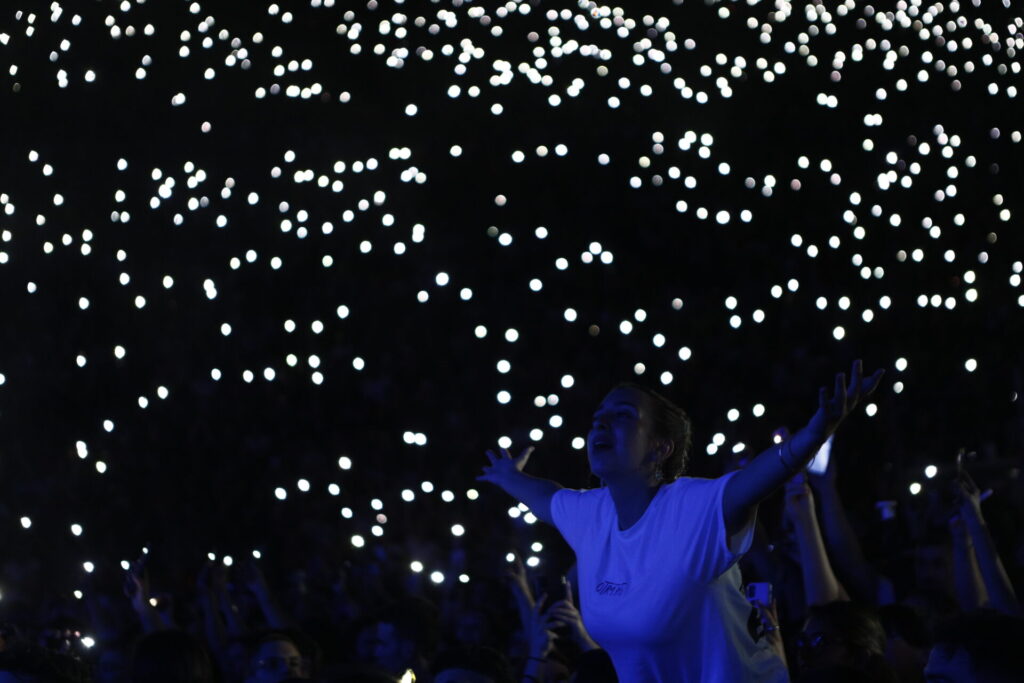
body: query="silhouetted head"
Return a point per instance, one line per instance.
(980, 647)
(171, 656)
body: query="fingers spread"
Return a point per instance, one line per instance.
(873, 381)
(856, 379)
(840, 390)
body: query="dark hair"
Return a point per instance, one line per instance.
(307, 646)
(479, 658)
(990, 639)
(171, 656)
(906, 622)
(669, 422)
(363, 674)
(272, 636)
(415, 619)
(874, 670)
(858, 625)
(33, 663)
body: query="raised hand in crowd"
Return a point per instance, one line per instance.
(212, 604)
(832, 410)
(218, 582)
(136, 589)
(769, 618)
(967, 580)
(253, 578)
(820, 583)
(519, 583)
(771, 469)
(506, 472)
(862, 579)
(565, 613)
(540, 638)
(997, 584)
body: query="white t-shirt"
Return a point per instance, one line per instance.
(663, 597)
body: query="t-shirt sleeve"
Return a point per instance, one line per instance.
(568, 512)
(700, 520)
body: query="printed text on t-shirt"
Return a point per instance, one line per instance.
(610, 588)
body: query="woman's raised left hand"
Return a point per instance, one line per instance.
(834, 408)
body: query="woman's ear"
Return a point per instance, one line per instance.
(661, 450)
(664, 448)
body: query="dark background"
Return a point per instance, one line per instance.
(196, 473)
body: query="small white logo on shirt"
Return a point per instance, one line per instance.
(610, 588)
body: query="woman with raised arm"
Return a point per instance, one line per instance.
(658, 581)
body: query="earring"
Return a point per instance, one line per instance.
(659, 476)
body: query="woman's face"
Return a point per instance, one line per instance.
(620, 443)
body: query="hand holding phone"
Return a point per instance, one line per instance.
(759, 594)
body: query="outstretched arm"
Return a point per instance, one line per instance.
(275, 615)
(136, 589)
(520, 585)
(1000, 591)
(770, 470)
(507, 473)
(820, 583)
(864, 581)
(967, 579)
(213, 625)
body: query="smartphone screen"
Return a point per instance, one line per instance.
(819, 464)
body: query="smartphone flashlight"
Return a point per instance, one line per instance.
(819, 464)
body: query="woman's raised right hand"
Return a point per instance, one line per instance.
(503, 465)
